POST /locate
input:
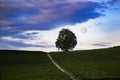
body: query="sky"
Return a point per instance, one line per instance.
(35, 24)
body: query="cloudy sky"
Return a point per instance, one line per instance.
(35, 24)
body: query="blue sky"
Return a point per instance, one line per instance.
(35, 24)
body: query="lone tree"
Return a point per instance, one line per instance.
(66, 40)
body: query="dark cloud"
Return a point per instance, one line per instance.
(7, 44)
(29, 36)
(44, 15)
(113, 1)
(102, 44)
(23, 15)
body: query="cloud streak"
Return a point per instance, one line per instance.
(46, 14)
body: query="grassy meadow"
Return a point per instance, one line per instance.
(24, 65)
(100, 64)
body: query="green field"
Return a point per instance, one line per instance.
(103, 64)
(20, 65)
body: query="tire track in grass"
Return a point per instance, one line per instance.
(72, 76)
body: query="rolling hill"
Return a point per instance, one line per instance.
(99, 64)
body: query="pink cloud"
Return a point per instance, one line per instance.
(4, 22)
(49, 12)
(42, 43)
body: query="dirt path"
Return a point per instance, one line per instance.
(72, 76)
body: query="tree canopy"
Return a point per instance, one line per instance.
(66, 40)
